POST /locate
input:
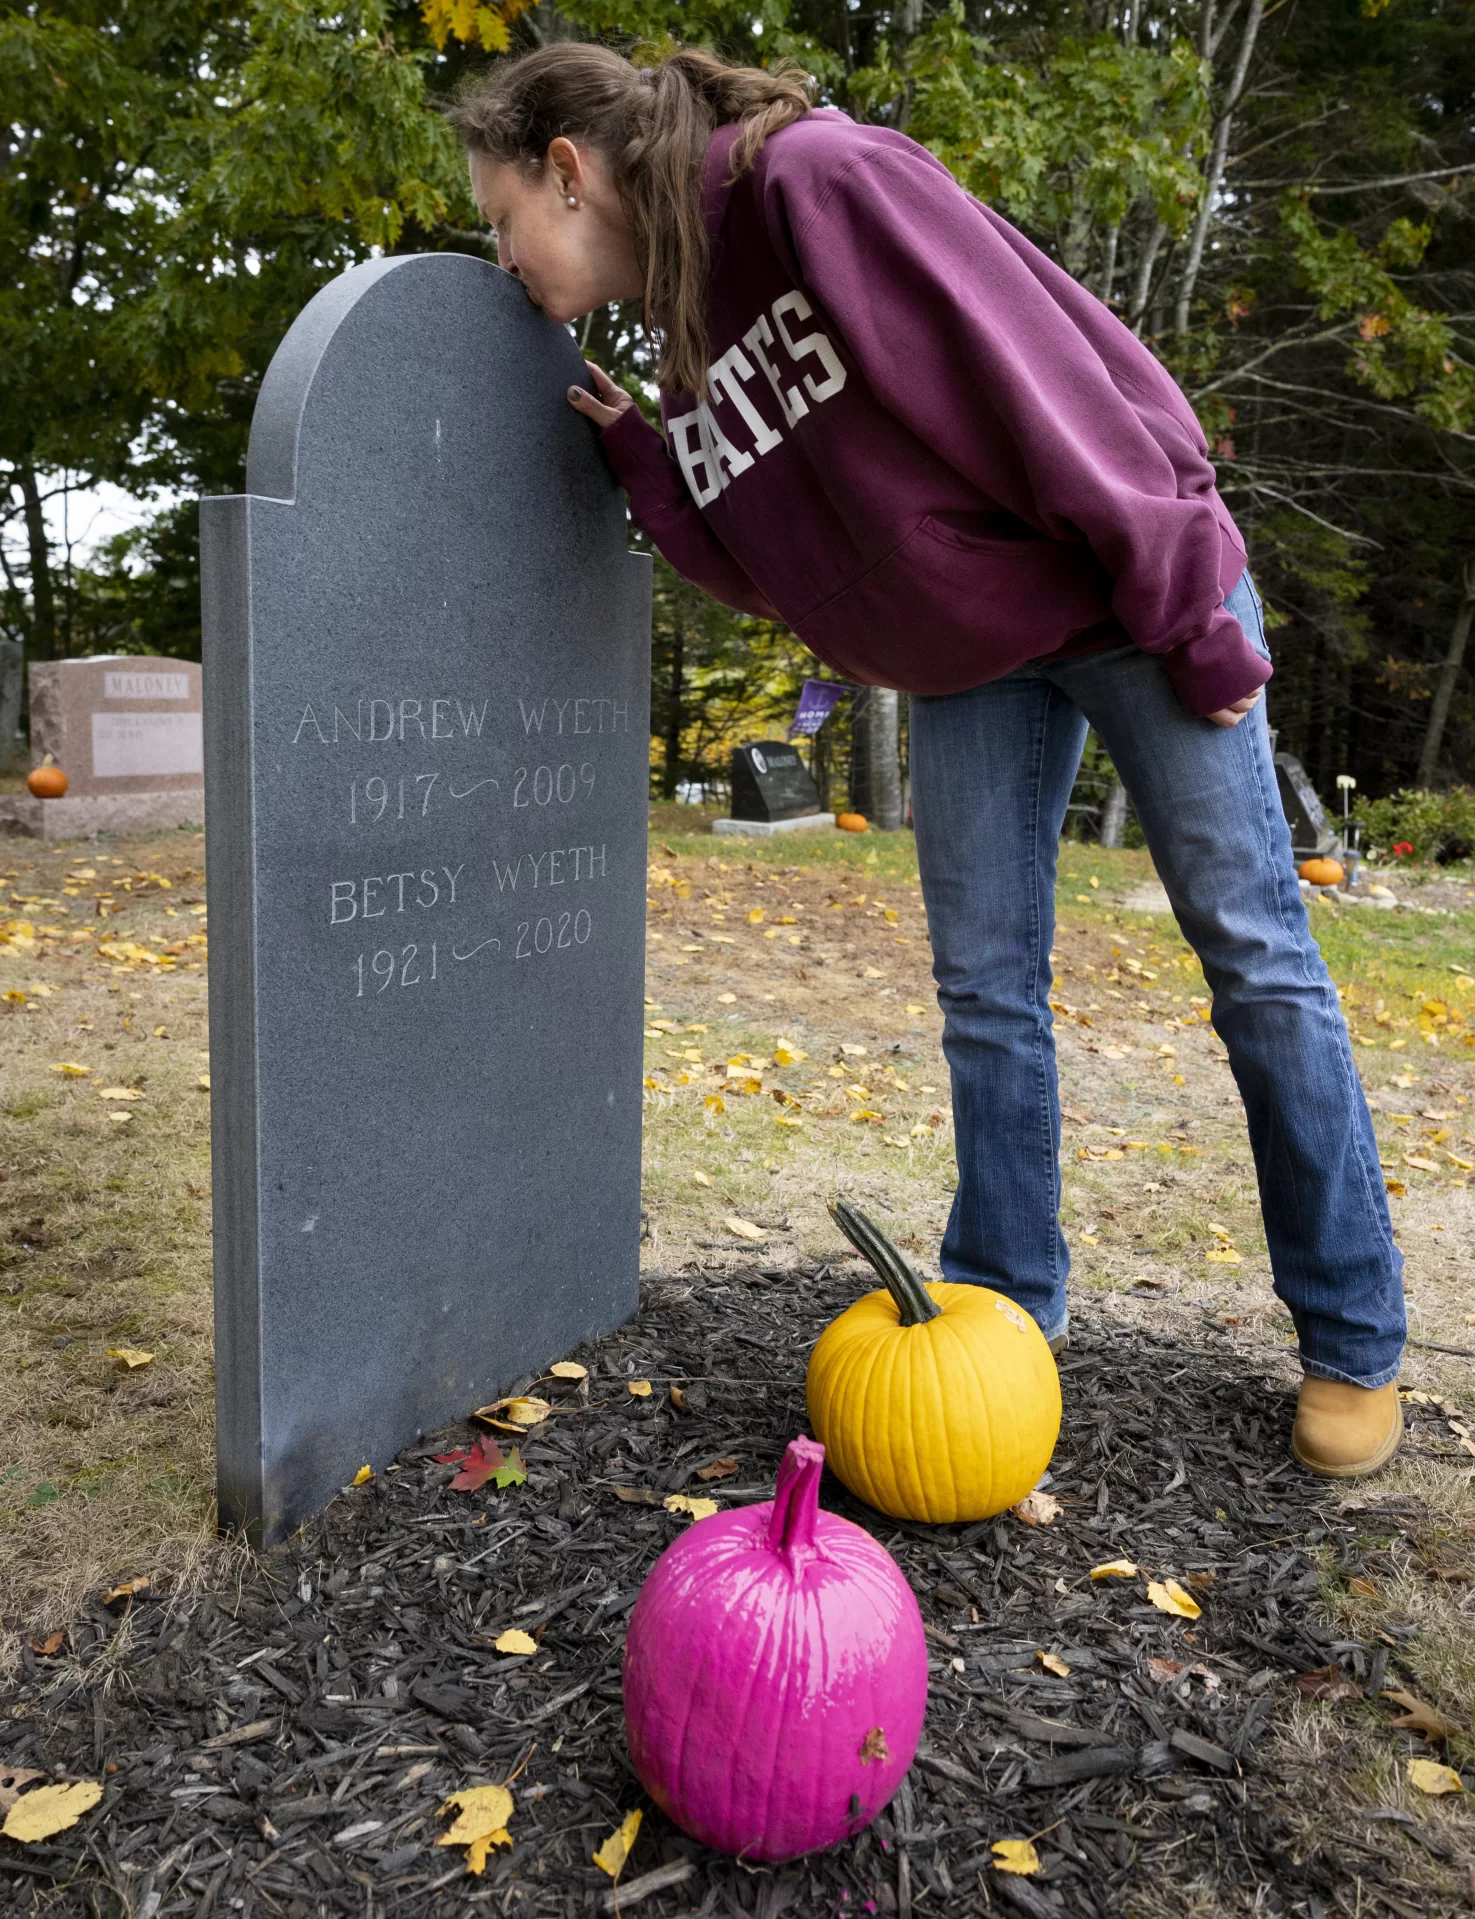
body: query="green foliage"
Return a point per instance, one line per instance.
(717, 678)
(1436, 826)
(1065, 141)
(1402, 350)
(184, 175)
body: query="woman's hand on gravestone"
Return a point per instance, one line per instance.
(612, 401)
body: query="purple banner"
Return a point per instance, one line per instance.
(816, 703)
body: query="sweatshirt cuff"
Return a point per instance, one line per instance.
(637, 452)
(1218, 668)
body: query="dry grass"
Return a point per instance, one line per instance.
(104, 1233)
(104, 1226)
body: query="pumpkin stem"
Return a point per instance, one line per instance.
(914, 1304)
(796, 1499)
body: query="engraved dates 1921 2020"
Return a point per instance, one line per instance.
(424, 963)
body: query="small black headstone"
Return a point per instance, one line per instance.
(771, 782)
(1310, 832)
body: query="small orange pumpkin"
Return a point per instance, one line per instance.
(1321, 872)
(47, 782)
(852, 823)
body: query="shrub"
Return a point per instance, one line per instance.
(1434, 826)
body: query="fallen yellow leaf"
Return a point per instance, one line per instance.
(1115, 1569)
(702, 1179)
(1052, 1662)
(130, 1589)
(1424, 1165)
(612, 1855)
(755, 916)
(204, 1080)
(685, 1503)
(71, 1069)
(121, 1118)
(46, 1810)
(129, 1358)
(363, 1475)
(1396, 1187)
(1168, 1596)
(742, 1228)
(119, 1092)
(519, 1411)
(1038, 1509)
(567, 1369)
(715, 1103)
(1014, 1855)
(515, 1640)
(1224, 1256)
(1427, 1775)
(481, 1822)
(638, 1388)
(916, 1011)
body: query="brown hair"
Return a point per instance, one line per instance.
(651, 125)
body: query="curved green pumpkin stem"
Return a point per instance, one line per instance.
(796, 1499)
(914, 1304)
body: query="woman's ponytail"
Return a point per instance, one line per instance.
(652, 126)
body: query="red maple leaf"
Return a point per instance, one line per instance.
(449, 1459)
(482, 1462)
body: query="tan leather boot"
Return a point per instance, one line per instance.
(1344, 1431)
(1059, 1344)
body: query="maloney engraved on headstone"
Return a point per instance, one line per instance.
(772, 791)
(426, 748)
(126, 731)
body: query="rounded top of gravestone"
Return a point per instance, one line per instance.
(417, 378)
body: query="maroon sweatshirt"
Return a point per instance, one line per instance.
(924, 446)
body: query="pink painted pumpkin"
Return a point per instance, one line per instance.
(775, 1674)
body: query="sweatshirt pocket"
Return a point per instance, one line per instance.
(948, 609)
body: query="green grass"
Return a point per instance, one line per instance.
(1388, 965)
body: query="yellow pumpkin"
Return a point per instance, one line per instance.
(47, 782)
(934, 1402)
(852, 823)
(1321, 872)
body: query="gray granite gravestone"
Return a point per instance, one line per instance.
(426, 742)
(1311, 833)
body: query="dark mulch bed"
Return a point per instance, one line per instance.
(284, 1748)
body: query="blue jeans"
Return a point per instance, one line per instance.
(992, 771)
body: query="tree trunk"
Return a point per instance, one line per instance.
(1114, 815)
(43, 595)
(12, 679)
(860, 751)
(1214, 172)
(819, 765)
(675, 713)
(1142, 286)
(882, 722)
(1449, 673)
